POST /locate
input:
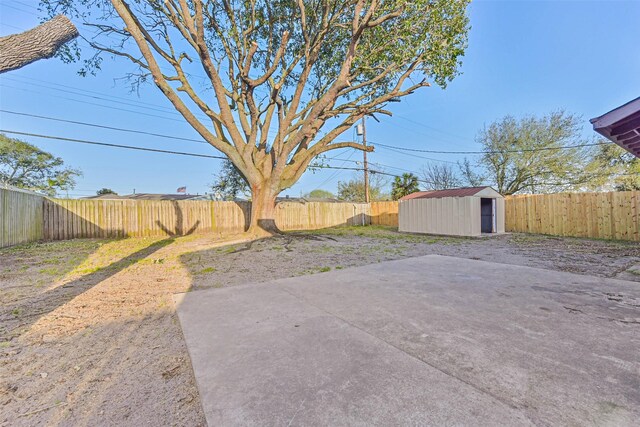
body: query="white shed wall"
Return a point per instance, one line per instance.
(452, 216)
(500, 215)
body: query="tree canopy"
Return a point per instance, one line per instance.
(530, 154)
(24, 165)
(283, 79)
(614, 169)
(404, 185)
(104, 191)
(320, 194)
(353, 190)
(230, 183)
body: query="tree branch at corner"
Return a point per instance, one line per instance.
(41, 42)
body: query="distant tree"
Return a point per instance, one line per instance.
(524, 155)
(24, 165)
(230, 183)
(404, 185)
(440, 177)
(353, 190)
(320, 194)
(469, 176)
(104, 191)
(613, 168)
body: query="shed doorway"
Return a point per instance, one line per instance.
(488, 215)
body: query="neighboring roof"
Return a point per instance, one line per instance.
(453, 192)
(109, 196)
(308, 199)
(622, 126)
(144, 196)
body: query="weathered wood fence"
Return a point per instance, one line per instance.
(384, 213)
(68, 219)
(21, 217)
(613, 215)
(26, 216)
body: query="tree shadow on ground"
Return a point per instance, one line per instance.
(260, 260)
(18, 314)
(287, 238)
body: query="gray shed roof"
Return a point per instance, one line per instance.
(452, 192)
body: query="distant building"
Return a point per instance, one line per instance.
(307, 199)
(144, 196)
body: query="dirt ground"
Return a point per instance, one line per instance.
(89, 335)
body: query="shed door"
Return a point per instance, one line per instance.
(486, 212)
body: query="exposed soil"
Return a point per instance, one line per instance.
(89, 335)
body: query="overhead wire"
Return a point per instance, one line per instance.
(141, 132)
(105, 144)
(373, 171)
(523, 150)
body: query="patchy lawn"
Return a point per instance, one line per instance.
(89, 334)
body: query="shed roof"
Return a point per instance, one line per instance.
(453, 192)
(622, 126)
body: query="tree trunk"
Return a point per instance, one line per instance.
(43, 41)
(263, 212)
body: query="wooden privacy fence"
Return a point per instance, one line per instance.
(384, 213)
(68, 219)
(314, 215)
(614, 215)
(27, 217)
(21, 218)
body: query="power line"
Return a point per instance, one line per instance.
(412, 155)
(374, 171)
(47, 85)
(172, 137)
(181, 153)
(333, 175)
(105, 144)
(30, 13)
(103, 97)
(25, 4)
(141, 132)
(524, 150)
(428, 127)
(76, 93)
(98, 105)
(95, 95)
(13, 26)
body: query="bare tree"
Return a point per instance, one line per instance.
(277, 72)
(440, 176)
(43, 41)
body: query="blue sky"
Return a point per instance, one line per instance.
(524, 57)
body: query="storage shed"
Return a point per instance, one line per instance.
(470, 211)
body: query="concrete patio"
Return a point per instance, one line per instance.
(420, 341)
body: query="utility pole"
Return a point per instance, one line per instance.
(365, 163)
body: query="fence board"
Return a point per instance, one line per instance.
(21, 216)
(612, 215)
(384, 213)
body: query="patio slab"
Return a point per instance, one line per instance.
(420, 341)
